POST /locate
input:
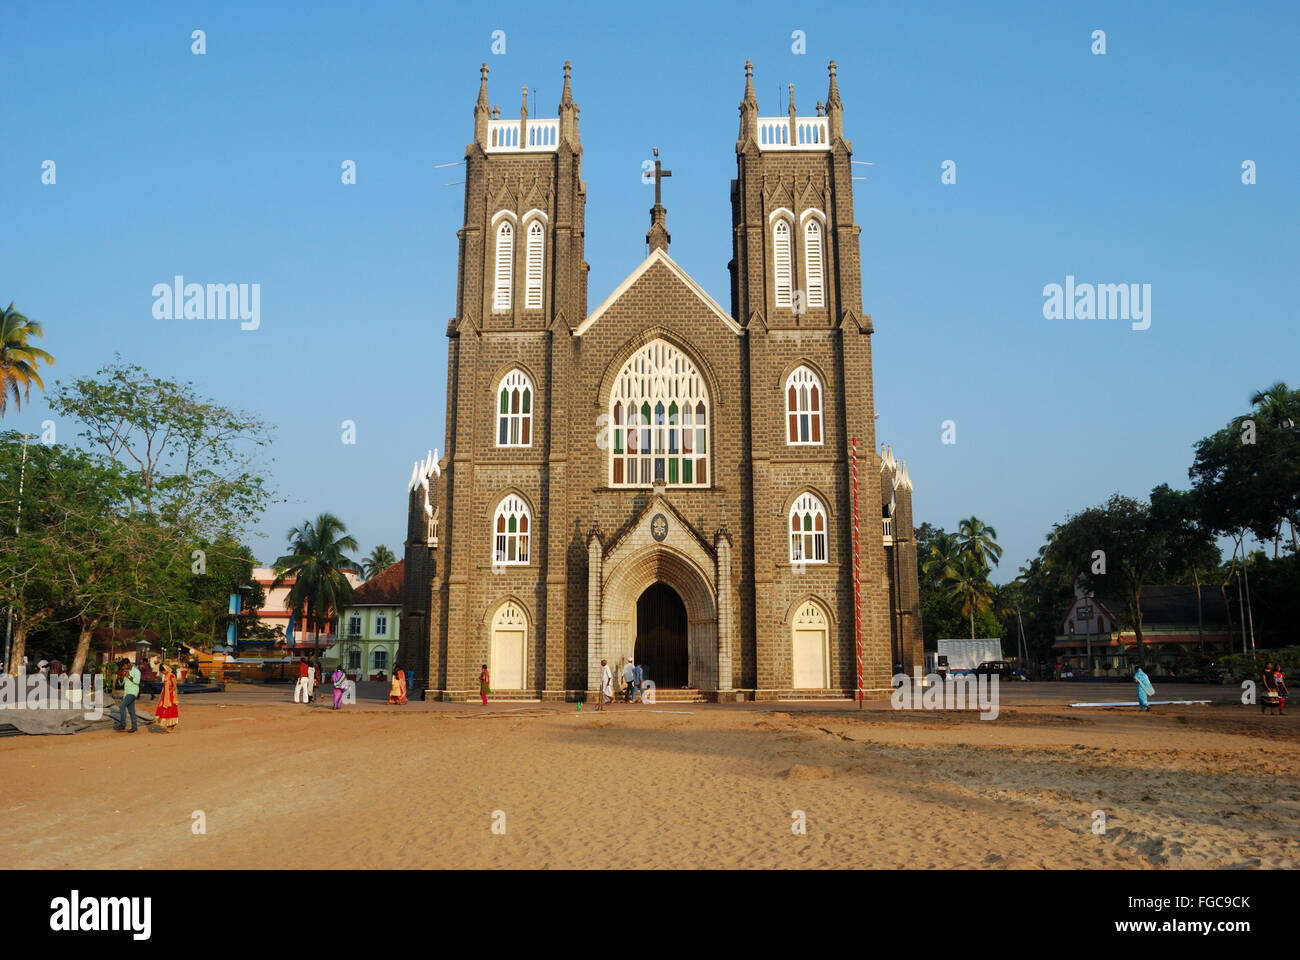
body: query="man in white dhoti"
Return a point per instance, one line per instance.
(606, 686)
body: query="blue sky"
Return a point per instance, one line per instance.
(1120, 168)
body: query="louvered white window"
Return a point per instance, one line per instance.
(505, 273)
(536, 242)
(781, 261)
(812, 261)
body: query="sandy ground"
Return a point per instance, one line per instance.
(675, 785)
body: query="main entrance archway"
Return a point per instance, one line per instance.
(661, 637)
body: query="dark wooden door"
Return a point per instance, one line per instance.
(661, 637)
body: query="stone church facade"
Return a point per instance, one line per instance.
(661, 477)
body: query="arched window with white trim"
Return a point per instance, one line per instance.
(803, 407)
(513, 533)
(515, 410)
(534, 266)
(659, 413)
(808, 530)
(505, 267)
(813, 265)
(782, 261)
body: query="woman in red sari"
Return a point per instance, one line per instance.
(397, 689)
(168, 711)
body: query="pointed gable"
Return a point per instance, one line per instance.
(660, 258)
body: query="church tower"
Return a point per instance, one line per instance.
(797, 290)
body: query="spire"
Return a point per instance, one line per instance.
(834, 107)
(523, 119)
(657, 236)
(748, 109)
(794, 126)
(481, 111)
(568, 111)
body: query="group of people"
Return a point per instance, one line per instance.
(309, 680)
(1274, 694)
(634, 683)
(167, 711)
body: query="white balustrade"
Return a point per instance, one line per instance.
(540, 135)
(810, 133)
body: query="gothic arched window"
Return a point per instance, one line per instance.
(659, 414)
(782, 261)
(505, 267)
(512, 528)
(515, 410)
(813, 262)
(808, 530)
(803, 407)
(533, 266)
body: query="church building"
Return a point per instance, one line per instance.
(661, 477)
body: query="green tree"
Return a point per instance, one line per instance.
(316, 562)
(1189, 547)
(198, 462)
(1132, 549)
(19, 360)
(955, 567)
(379, 560)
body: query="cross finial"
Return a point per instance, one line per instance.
(660, 173)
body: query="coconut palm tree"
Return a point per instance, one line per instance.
(979, 541)
(379, 560)
(316, 563)
(18, 358)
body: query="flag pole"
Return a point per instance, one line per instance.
(857, 574)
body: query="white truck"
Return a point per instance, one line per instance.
(963, 656)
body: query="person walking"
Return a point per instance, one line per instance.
(638, 677)
(606, 686)
(168, 710)
(397, 689)
(340, 686)
(316, 685)
(1268, 694)
(300, 690)
(1144, 688)
(130, 690)
(629, 675)
(484, 684)
(1279, 681)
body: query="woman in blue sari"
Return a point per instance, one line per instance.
(1144, 688)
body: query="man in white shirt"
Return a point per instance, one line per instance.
(606, 686)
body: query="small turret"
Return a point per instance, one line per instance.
(748, 109)
(481, 110)
(834, 107)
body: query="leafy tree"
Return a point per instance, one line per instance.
(379, 560)
(19, 360)
(316, 563)
(197, 461)
(1189, 547)
(1247, 475)
(1133, 551)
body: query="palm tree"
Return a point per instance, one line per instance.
(380, 559)
(316, 563)
(971, 588)
(979, 541)
(18, 359)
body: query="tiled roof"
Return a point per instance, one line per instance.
(384, 590)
